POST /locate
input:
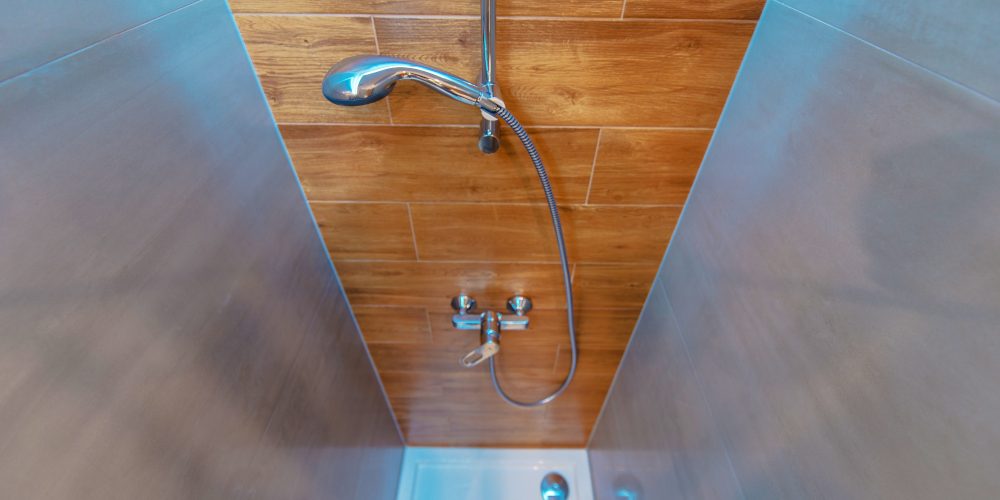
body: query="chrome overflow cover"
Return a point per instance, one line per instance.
(554, 487)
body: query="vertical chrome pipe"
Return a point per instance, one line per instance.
(489, 127)
(488, 15)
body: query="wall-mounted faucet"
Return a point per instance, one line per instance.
(489, 324)
(361, 80)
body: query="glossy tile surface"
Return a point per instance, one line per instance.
(957, 39)
(656, 430)
(332, 434)
(159, 271)
(835, 276)
(34, 33)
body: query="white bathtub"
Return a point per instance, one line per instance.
(490, 474)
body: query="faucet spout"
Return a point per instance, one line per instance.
(490, 336)
(361, 80)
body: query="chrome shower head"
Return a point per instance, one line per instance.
(360, 80)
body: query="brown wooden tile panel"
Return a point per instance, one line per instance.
(393, 324)
(439, 402)
(570, 8)
(433, 284)
(614, 285)
(572, 72)
(384, 163)
(647, 166)
(591, 358)
(593, 326)
(687, 68)
(695, 9)
(365, 230)
(292, 54)
(469, 400)
(411, 384)
(504, 232)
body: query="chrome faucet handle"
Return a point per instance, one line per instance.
(519, 305)
(482, 353)
(513, 322)
(463, 304)
(467, 321)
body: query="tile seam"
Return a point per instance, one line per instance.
(593, 166)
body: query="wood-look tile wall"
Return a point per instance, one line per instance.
(620, 98)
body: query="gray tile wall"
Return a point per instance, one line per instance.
(170, 324)
(833, 287)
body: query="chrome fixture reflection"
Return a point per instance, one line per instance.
(554, 487)
(489, 324)
(361, 80)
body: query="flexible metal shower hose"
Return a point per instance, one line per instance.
(528, 145)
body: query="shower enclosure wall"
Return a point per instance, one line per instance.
(824, 324)
(170, 324)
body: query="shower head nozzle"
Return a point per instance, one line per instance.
(361, 80)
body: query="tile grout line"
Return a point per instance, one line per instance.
(430, 329)
(375, 35)
(446, 17)
(551, 262)
(593, 166)
(704, 396)
(520, 203)
(378, 51)
(413, 233)
(587, 127)
(274, 411)
(88, 46)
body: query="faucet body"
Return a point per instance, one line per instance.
(490, 324)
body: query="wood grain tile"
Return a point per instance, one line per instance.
(411, 384)
(292, 54)
(377, 163)
(433, 284)
(647, 166)
(574, 8)
(469, 400)
(688, 9)
(365, 230)
(593, 326)
(510, 233)
(477, 219)
(678, 72)
(393, 324)
(593, 359)
(612, 286)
